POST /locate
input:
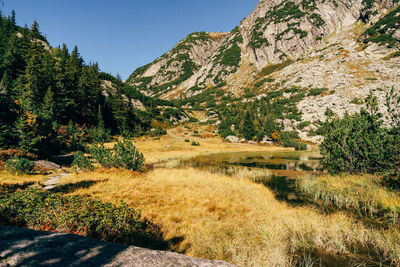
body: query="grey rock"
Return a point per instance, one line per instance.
(232, 139)
(47, 165)
(25, 247)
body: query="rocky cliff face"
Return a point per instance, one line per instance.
(345, 48)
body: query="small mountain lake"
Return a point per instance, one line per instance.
(288, 164)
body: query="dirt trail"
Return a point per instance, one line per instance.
(172, 134)
(53, 180)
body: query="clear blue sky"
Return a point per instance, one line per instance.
(125, 34)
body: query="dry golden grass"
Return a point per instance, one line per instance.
(173, 145)
(8, 178)
(11, 182)
(220, 217)
(362, 193)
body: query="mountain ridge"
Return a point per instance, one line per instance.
(273, 33)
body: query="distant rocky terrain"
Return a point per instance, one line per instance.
(24, 247)
(336, 51)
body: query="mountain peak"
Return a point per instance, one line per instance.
(275, 32)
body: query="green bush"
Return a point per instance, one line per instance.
(194, 143)
(42, 210)
(123, 155)
(303, 124)
(81, 162)
(127, 156)
(316, 91)
(289, 139)
(100, 134)
(158, 131)
(288, 142)
(102, 155)
(359, 144)
(19, 166)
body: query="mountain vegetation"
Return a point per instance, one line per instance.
(51, 101)
(294, 75)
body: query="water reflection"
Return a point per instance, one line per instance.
(288, 164)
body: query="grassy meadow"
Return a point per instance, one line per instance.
(233, 215)
(215, 216)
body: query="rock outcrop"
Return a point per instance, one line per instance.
(24, 247)
(276, 31)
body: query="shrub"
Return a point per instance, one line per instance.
(316, 91)
(187, 140)
(303, 124)
(158, 131)
(81, 162)
(100, 134)
(19, 166)
(289, 139)
(225, 132)
(194, 143)
(192, 119)
(359, 144)
(42, 210)
(123, 155)
(126, 156)
(102, 155)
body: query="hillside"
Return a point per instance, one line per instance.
(330, 54)
(52, 102)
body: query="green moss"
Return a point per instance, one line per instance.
(273, 68)
(316, 91)
(382, 31)
(317, 20)
(232, 56)
(285, 12)
(257, 37)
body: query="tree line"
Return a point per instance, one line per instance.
(52, 101)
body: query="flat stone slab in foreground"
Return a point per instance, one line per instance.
(25, 247)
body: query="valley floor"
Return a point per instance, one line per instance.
(177, 145)
(211, 215)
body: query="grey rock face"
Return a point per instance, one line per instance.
(277, 30)
(47, 165)
(232, 139)
(24, 247)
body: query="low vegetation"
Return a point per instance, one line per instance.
(42, 210)
(359, 143)
(234, 219)
(363, 194)
(19, 166)
(123, 155)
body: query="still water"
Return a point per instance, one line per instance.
(288, 164)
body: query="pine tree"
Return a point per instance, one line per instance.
(48, 104)
(89, 88)
(35, 30)
(248, 127)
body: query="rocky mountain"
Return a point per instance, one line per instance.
(336, 51)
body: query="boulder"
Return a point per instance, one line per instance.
(47, 165)
(232, 139)
(25, 247)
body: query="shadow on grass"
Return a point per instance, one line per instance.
(11, 188)
(284, 189)
(363, 257)
(72, 187)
